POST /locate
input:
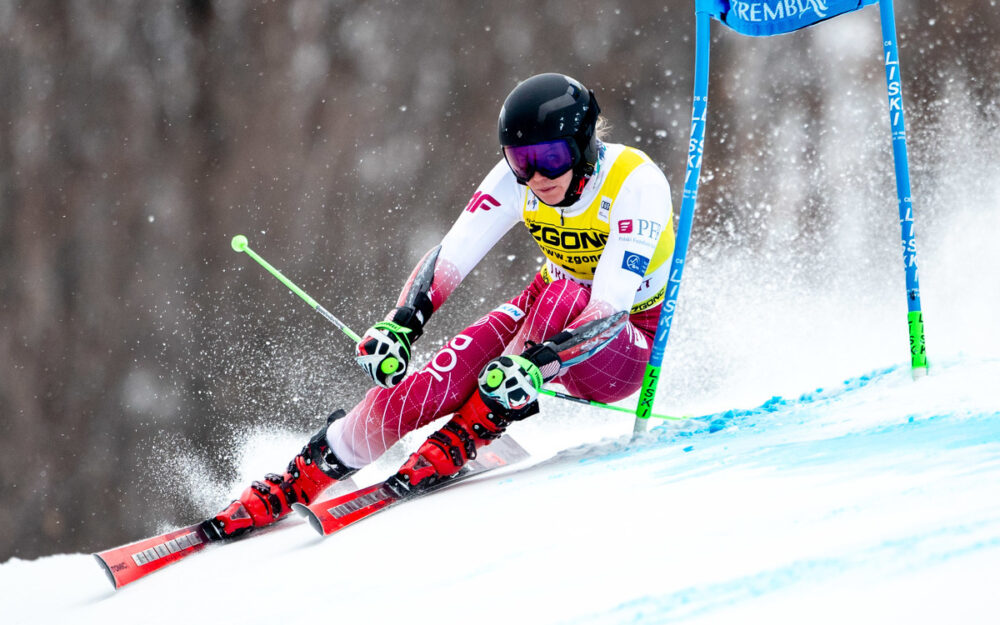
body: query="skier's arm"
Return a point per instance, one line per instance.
(491, 212)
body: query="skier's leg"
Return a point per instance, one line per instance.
(556, 304)
(440, 387)
(382, 418)
(479, 422)
(308, 474)
(613, 373)
(616, 371)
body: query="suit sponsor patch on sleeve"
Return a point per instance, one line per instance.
(511, 311)
(636, 263)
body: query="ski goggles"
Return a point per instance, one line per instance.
(551, 159)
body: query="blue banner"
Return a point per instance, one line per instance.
(761, 18)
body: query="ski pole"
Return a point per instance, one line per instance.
(240, 244)
(598, 404)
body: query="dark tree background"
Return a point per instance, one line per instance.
(343, 137)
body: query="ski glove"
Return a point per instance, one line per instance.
(509, 386)
(384, 350)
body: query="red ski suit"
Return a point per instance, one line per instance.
(606, 253)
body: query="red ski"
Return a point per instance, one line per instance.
(128, 563)
(331, 515)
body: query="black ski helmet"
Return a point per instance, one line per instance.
(548, 107)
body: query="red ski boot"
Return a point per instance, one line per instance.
(309, 473)
(445, 452)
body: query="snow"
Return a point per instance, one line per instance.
(820, 483)
(873, 499)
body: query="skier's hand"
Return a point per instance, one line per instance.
(384, 353)
(509, 385)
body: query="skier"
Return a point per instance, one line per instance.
(601, 215)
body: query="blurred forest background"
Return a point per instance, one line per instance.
(344, 137)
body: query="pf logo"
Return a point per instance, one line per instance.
(481, 200)
(625, 226)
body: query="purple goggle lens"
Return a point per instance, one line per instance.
(551, 159)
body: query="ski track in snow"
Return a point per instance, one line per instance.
(875, 500)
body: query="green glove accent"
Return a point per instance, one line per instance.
(398, 332)
(392, 327)
(494, 378)
(531, 369)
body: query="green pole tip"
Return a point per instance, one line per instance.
(240, 243)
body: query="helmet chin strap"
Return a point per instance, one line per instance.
(575, 189)
(580, 177)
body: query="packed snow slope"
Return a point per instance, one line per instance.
(817, 483)
(874, 500)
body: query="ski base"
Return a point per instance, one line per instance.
(331, 515)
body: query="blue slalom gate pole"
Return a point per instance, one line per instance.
(915, 318)
(763, 19)
(699, 113)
